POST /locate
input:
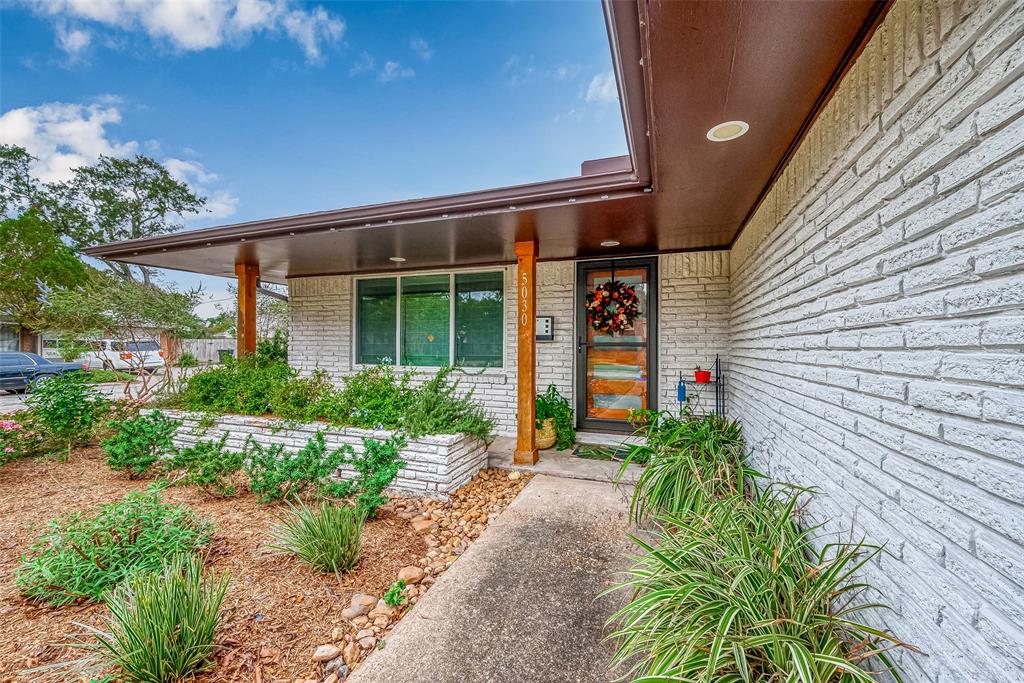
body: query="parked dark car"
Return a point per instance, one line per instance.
(18, 370)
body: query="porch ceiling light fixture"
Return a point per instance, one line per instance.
(610, 243)
(730, 130)
(397, 259)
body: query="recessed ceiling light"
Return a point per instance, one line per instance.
(730, 130)
(610, 243)
(398, 259)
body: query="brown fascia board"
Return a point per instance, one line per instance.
(622, 18)
(450, 207)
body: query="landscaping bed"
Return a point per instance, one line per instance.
(434, 465)
(278, 610)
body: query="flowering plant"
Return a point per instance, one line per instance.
(18, 438)
(612, 307)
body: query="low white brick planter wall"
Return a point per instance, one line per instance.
(435, 465)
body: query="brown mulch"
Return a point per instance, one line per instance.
(275, 604)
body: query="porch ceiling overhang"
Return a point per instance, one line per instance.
(682, 67)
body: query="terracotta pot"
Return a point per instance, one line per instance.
(702, 376)
(546, 434)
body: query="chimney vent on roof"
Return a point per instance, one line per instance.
(606, 165)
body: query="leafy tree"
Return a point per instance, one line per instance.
(112, 200)
(32, 260)
(19, 190)
(125, 199)
(271, 312)
(107, 305)
(221, 323)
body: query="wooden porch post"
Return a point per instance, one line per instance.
(526, 301)
(246, 334)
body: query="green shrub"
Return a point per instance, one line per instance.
(375, 469)
(437, 408)
(19, 437)
(244, 386)
(140, 442)
(188, 360)
(67, 409)
(100, 376)
(207, 464)
(394, 596)
(274, 348)
(82, 556)
(162, 624)
(329, 538)
(737, 593)
(373, 398)
(552, 405)
(691, 461)
(301, 398)
(277, 474)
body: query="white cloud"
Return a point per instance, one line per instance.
(219, 203)
(192, 25)
(521, 71)
(310, 29)
(602, 88)
(365, 63)
(393, 71)
(72, 41)
(64, 136)
(421, 47)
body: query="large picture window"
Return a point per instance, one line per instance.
(430, 320)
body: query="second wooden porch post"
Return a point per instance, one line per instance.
(526, 317)
(246, 333)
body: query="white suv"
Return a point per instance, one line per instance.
(112, 354)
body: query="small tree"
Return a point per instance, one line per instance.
(107, 305)
(271, 312)
(32, 259)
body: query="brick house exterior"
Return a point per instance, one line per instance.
(869, 314)
(871, 323)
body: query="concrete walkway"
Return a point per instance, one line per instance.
(521, 604)
(561, 464)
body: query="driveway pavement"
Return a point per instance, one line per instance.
(12, 403)
(521, 604)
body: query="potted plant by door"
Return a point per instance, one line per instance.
(555, 423)
(701, 376)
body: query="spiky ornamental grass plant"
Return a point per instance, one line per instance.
(162, 624)
(737, 594)
(691, 461)
(329, 537)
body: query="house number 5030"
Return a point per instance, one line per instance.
(524, 299)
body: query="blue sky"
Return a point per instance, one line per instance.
(273, 108)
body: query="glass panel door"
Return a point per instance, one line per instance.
(617, 373)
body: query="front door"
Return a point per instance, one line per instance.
(616, 371)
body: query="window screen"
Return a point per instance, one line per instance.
(376, 309)
(478, 319)
(426, 320)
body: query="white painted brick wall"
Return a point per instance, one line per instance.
(878, 322)
(435, 465)
(556, 360)
(321, 325)
(694, 299)
(693, 295)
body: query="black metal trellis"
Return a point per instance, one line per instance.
(718, 383)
